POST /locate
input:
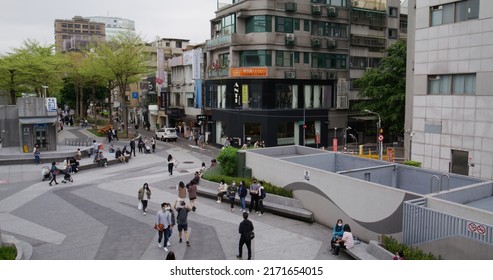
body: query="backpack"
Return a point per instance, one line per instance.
(263, 193)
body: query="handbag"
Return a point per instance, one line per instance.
(139, 206)
(250, 235)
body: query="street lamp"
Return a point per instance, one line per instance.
(379, 125)
(44, 90)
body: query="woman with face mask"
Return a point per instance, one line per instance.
(337, 233)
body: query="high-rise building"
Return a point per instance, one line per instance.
(449, 115)
(77, 33)
(114, 25)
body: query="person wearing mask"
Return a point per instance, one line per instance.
(232, 189)
(163, 222)
(192, 194)
(346, 241)
(171, 164)
(222, 190)
(242, 193)
(254, 195)
(337, 233)
(144, 195)
(182, 219)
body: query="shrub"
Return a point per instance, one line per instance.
(104, 130)
(8, 252)
(227, 161)
(410, 253)
(412, 163)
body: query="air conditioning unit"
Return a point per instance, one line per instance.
(331, 11)
(331, 43)
(316, 42)
(290, 74)
(342, 102)
(291, 7)
(315, 75)
(290, 39)
(331, 76)
(316, 9)
(217, 28)
(434, 77)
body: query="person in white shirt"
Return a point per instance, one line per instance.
(346, 242)
(222, 188)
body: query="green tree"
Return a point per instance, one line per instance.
(385, 89)
(227, 160)
(123, 57)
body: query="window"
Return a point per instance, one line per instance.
(392, 33)
(284, 24)
(255, 58)
(393, 12)
(327, 60)
(224, 60)
(306, 25)
(228, 25)
(454, 12)
(297, 24)
(456, 84)
(285, 133)
(284, 96)
(306, 58)
(296, 57)
(338, 3)
(258, 24)
(336, 30)
(284, 58)
(358, 62)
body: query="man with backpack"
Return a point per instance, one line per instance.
(182, 219)
(262, 195)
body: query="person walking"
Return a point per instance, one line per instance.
(144, 195)
(245, 229)
(140, 145)
(232, 189)
(182, 191)
(153, 144)
(36, 153)
(54, 172)
(171, 164)
(163, 222)
(254, 188)
(132, 147)
(115, 134)
(182, 219)
(192, 194)
(242, 193)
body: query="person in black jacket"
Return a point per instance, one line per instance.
(246, 227)
(132, 147)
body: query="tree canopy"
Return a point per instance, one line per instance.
(384, 89)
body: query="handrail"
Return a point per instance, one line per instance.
(448, 181)
(431, 182)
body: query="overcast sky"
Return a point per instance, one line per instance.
(34, 19)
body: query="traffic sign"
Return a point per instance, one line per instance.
(380, 137)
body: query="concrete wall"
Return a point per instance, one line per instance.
(9, 126)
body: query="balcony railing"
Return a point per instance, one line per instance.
(218, 42)
(222, 72)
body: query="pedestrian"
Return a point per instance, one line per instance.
(140, 145)
(132, 147)
(182, 191)
(245, 230)
(192, 194)
(115, 134)
(261, 196)
(163, 221)
(36, 153)
(232, 189)
(144, 195)
(153, 144)
(242, 193)
(337, 232)
(78, 154)
(173, 222)
(202, 141)
(171, 164)
(54, 172)
(109, 135)
(182, 210)
(222, 190)
(95, 149)
(170, 256)
(254, 188)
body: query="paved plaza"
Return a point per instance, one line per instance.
(96, 216)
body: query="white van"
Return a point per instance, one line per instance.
(166, 134)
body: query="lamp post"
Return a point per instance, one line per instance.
(44, 90)
(380, 143)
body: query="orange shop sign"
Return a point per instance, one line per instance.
(248, 72)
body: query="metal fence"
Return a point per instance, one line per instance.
(81, 142)
(421, 224)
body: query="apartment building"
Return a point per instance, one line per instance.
(114, 25)
(448, 97)
(77, 33)
(273, 68)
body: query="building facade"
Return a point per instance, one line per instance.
(77, 33)
(450, 66)
(114, 25)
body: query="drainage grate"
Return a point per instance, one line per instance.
(188, 162)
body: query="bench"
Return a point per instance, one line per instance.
(279, 205)
(368, 251)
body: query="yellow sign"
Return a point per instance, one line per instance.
(248, 72)
(244, 94)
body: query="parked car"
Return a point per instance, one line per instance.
(166, 134)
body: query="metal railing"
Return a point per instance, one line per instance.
(421, 224)
(81, 142)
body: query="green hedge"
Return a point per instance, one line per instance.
(227, 160)
(412, 163)
(217, 174)
(410, 253)
(8, 253)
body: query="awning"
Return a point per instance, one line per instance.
(37, 120)
(364, 118)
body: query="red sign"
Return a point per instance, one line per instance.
(380, 137)
(480, 229)
(334, 144)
